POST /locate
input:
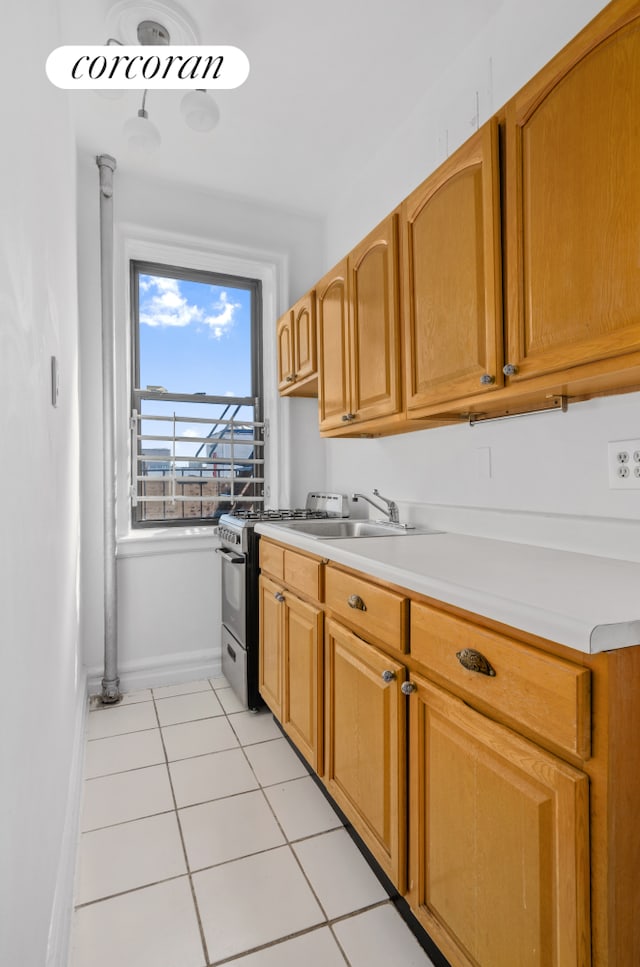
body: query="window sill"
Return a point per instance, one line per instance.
(167, 540)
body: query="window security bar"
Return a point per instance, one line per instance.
(177, 482)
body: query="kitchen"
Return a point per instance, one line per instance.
(539, 479)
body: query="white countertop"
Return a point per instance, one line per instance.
(589, 603)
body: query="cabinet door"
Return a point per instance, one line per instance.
(500, 840)
(365, 734)
(271, 644)
(305, 339)
(573, 205)
(334, 397)
(284, 339)
(452, 277)
(375, 324)
(302, 678)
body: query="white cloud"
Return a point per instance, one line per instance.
(223, 316)
(162, 303)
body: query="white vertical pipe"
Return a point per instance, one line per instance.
(110, 682)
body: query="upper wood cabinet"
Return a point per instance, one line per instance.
(359, 336)
(333, 347)
(573, 204)
(451, 266)
(297, 349)
(547, 216)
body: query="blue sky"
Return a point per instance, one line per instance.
(194, 337)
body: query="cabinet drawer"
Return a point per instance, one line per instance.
(303, 573)
(379, 614)
(546, 695)
(272, 558)
(298, 571)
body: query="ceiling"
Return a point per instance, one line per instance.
(329, 82)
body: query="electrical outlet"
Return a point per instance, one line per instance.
(624, 465)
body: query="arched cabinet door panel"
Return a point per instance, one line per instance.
(573, 205)
(452, 275)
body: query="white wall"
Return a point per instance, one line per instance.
(42, 690)
(546, 464)
(157, 582)
(519, 38)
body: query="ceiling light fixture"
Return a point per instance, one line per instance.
(199, 110)
(140, 132)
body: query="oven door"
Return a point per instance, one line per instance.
(234, 593)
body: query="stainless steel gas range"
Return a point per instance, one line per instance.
(239, 552)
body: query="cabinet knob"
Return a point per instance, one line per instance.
(473, 661)
(355, 601)
(487, 379)
(289, 379)
(279, 596)
(408, 688)
(347, 417)
(509, 369)
(388, 676)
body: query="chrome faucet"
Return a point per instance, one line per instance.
(391, 510)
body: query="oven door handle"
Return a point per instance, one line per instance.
(230, 556)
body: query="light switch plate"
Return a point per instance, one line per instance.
(55, 381)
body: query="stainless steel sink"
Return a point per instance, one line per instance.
(327, 530)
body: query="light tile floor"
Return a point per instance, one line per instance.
(205, 841)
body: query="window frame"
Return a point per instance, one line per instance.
(137, 268)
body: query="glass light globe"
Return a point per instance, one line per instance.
(141, 133)
(200, 111)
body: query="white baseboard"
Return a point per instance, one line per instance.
(161, 670)
(58, 942)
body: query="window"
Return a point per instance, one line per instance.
(196, 423)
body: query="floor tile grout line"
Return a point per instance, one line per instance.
(203, 939)
(126, 822)
(116, 735)
(302, 933)
(122, 772)
(132, 889)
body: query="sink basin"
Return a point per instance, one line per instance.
(335, 529)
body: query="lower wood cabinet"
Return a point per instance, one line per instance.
(302, 677)
(271, 645)
(291, 666)
(365, 744)
(494, 780)
(499, 833)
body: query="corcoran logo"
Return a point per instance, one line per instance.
(147, 68)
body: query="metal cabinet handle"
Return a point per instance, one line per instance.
(346, 417)
(509, 369)
(407, 688)
(279, 596)
(355, 601)
(487, 379)
(473, 661)
(289, 379)
(388, 676)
